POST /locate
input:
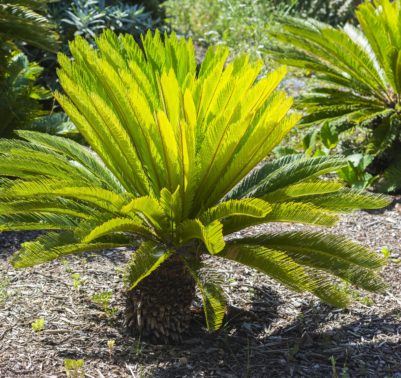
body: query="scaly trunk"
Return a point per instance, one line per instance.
(158, 309)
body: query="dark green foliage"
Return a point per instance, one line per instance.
(23, 21)
(19, 94)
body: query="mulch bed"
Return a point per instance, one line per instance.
(270, 332)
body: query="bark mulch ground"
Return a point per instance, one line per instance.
(270, 332)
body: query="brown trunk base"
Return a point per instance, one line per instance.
(158, 309)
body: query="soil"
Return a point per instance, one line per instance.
(270, 331)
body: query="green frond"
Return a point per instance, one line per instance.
(29, 221)
(149, 208)
(303, 189)
(53, 246)
(348, 200)
(305, 213)
(100, 198)
(259, 173)
(274, 263)
(288, 212)
(328, 289)
(145, 260)
(76, 152)
(49, 205)
(171, 203)
(298, 171)
(249, 207)
(117, 225)
(318, 252)
(331, 253)
(211, 234)
(213, 298)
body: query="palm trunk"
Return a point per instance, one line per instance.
(158, 309)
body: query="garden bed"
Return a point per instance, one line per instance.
(280, 333)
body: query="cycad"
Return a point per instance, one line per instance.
(360, 77)
(170, 174)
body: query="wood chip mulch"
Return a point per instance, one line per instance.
(270, 332)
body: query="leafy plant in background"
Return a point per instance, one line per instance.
(89, 18)
(334, 12)
(21, 22)
(171, 173)
(359, 83)
(241, 24)
(19, 94)
(327, 139)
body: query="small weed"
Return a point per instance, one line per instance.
(386, 252)
(103, 300)
(38, 325)
(387, 255)
(74, 368)
(76, 280)
(344, 370)
(110, 344)
(366, 301)
(67, 266)
(333, 362)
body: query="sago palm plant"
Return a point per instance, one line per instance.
(170, 174)
(359, 72)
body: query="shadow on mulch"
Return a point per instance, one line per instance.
(245, 347)
(396, 200)
(10, 242)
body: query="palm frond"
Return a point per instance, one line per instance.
(213, 298)
(52, 246)
(145, 260)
